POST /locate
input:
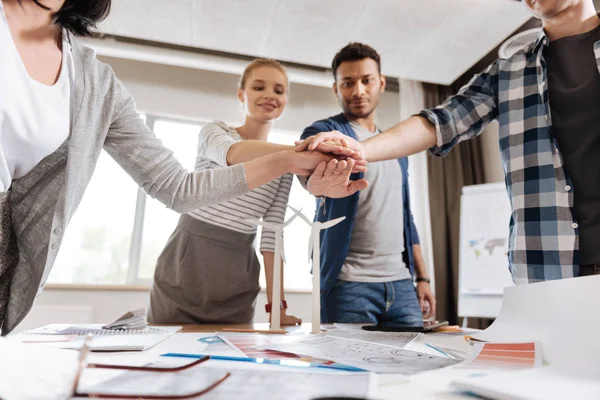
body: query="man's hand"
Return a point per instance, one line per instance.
(286, 319)
(426, 299)
(333, 142)
(333, 180)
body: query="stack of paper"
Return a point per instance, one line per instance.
(72, 337)
(134, 319)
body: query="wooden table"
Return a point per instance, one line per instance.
(304, 328)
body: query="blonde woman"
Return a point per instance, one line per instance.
(209, 270)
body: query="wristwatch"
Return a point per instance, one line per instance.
(268, 306)
(422, 279)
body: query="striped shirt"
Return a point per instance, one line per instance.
(543, 238)
(268, 201)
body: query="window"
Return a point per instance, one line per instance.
(116, 235)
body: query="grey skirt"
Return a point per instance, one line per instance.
(9, 251)
(205, 274)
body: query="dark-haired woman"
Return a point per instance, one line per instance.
(59, 107)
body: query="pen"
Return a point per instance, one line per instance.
(471, 340)
(284, 363)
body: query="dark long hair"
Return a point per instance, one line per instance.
(79, 16)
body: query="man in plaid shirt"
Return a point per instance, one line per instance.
(546, 98)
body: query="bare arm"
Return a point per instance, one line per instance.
(264, 169)
(412, 136)
(246, 150)
(420, 267)
(461, 117)
(426, 298)
(409, 137)
(269, 260)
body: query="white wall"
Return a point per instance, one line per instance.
(206, 95)
(102, 306)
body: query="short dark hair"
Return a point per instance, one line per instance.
(354, 52)
(78, 16)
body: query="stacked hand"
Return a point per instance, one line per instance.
(332, 178)
(333, 142)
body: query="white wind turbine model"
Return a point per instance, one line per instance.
(279, 254)
(314, 251)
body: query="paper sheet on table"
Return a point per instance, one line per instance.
(244, 383)
(393, 339)
(255, 345)
(186, 343)
(35, 372)
(547, 383)
(368, 356)
(562, 315)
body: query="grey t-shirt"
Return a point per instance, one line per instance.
(377, 241)
(574, 90)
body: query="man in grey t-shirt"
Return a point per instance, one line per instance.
(372, 279)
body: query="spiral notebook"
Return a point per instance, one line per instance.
(67, 336)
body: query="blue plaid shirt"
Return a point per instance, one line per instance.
(544, 239)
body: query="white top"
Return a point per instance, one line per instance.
(268, 201)
(34, 118)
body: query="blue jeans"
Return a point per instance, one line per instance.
(358, 302)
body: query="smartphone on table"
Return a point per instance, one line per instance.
(428, 326)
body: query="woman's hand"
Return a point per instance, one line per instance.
(332, 179)
(305, 162)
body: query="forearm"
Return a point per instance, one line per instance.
(420, 266)
(264, 169)
(411, 136)
(269, 262)
(247, 150)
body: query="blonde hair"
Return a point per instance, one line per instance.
(261, 62)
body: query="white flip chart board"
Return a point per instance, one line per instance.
(483, 254)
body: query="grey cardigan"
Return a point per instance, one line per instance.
(103, 116)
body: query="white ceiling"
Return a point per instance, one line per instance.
(426, 40)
